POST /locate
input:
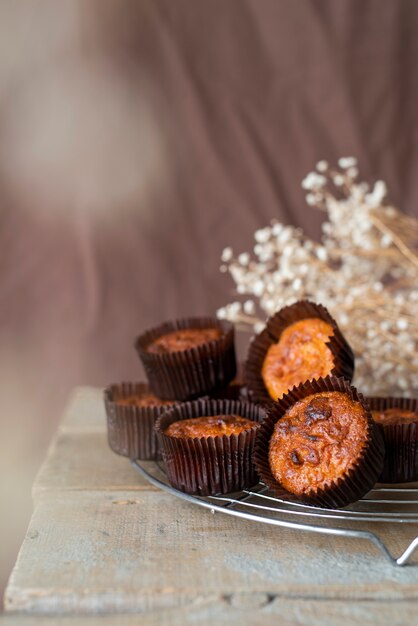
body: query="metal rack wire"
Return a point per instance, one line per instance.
(384, 505)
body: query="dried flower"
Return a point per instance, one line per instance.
(365, 270)
(346, 162)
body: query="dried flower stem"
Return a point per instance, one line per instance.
(403, 248)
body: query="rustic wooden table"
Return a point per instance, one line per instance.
(104, 546)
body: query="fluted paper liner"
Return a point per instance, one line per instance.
(130, 429)
(276, 324)
(210, 465)
(190, 373)
(401, 441)
(357, 481)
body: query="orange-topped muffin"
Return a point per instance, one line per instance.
(300, 354)
(208, 444)
(317, 441)
(188, 358)
(132, 410)
(319, 444)
(184, 339)
(209, 426)
(300, 342)
(390, 417)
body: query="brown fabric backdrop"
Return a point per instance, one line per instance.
(141, 138)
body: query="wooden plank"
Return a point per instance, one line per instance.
(141, 551)
(285, 612)
(79, 456)
(84, 461)
(102, 541)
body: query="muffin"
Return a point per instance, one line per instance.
(299, 343)
(300, 354)
(397, 419)
(188, 358)
(207, 445)
(319, 445)
(131, 411)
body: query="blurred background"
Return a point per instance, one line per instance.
(137, 140)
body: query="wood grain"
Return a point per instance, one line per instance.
(134, 551)
(101, 541)
(300, 612)
(84, 461)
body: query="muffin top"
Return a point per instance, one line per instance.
(317, 441)
(179, 340)
(298, 356)
(209, 426)
(389, 417)
(143, 400)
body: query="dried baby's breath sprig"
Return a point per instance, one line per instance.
(364, 270)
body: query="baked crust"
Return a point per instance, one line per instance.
(180, 340)
(317, 441)
(209, 426)
(300, 354)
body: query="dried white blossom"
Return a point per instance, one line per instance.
(249, 307)
(352, 172)
(321, 253)
(262, 235)
(226, 255)
(258, 327)
(346, 162)
(365, 270)
(322, 166)
(258, 288)
(338, 180)
(244, 258)
(314, 181)
(376, 196)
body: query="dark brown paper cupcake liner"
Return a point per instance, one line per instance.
(401, 441)
(210, 465)
(234, 391)
(130, 429)
(342, 353)
(358, 480)
(189, 373)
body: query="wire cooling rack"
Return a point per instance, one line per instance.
(386, 504)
